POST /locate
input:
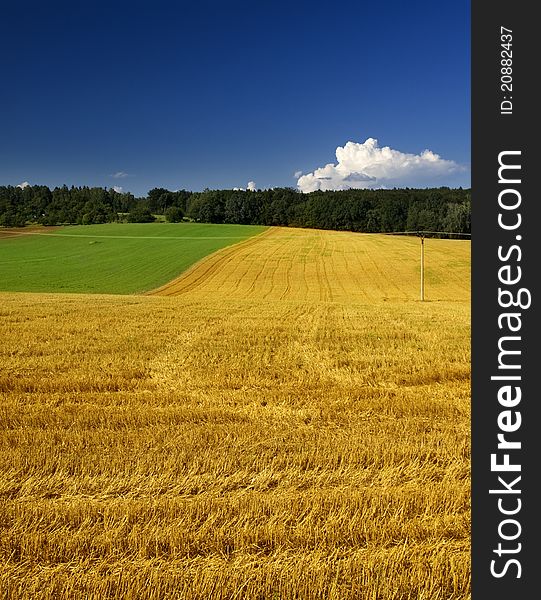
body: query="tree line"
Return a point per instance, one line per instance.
(427, 209)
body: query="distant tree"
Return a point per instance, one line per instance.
(160, 199)
(458, 217)
(243, 208)
(140, 214)
(11, 219)
(207, 207)
(174, 214)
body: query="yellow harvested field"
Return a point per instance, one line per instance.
(330, 266)
(284, 421)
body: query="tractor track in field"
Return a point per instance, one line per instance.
(204, 269)
(11, 232)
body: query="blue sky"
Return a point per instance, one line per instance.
(219, 93)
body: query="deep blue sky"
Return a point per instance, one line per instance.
(217, 93)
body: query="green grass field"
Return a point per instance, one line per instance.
(112, 258)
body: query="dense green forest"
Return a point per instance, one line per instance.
(431, 209)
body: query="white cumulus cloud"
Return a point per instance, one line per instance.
(250, 187)
(120, 175)
(23, 185)
(118, 188)
(366, 165)
(297, 174)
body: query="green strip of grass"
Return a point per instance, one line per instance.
(112, 258)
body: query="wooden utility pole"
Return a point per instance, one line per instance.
(422, 268)
(421, 235)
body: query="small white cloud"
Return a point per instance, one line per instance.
(23, 185)
(297, 174)
(119, 175)
(250, 187)
(366, 165)
(118, 189)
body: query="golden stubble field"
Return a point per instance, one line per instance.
(287, 422)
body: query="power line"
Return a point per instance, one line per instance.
(425, 233)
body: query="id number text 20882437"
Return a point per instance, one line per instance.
(506, 70)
